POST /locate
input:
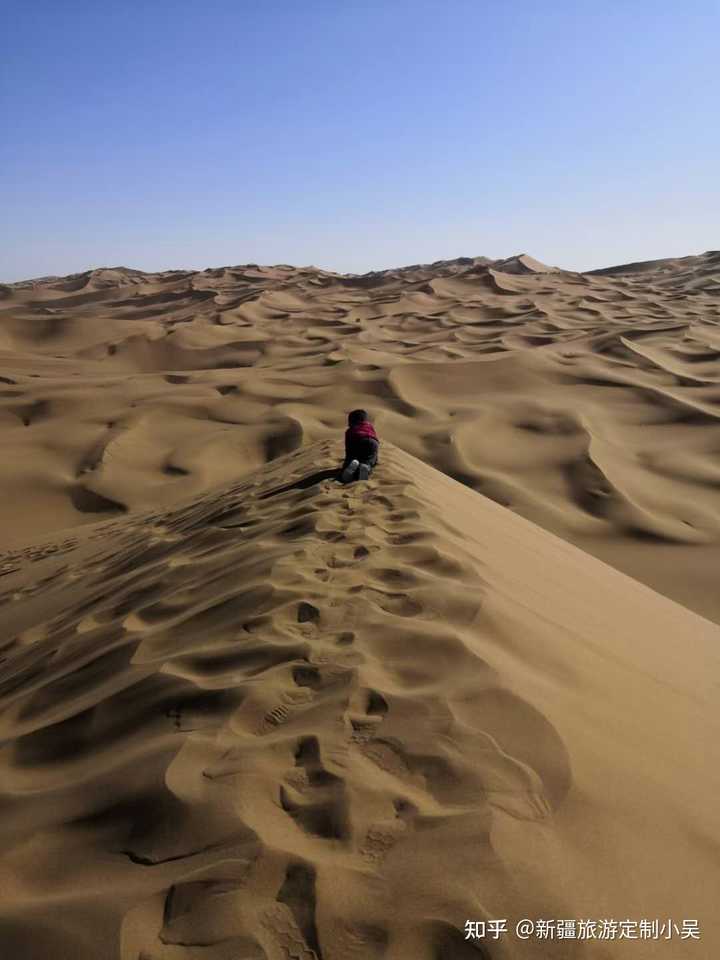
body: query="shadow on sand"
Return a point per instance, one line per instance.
(304, 482)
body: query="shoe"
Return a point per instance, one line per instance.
(349, 471)
(363, 471)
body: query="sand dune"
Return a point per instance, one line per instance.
(291, 719)
(249, 712)
(587, 403)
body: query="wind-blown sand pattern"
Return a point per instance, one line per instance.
(248, 712)
(292, 719)
(588, 403)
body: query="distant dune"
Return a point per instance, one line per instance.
(588, 403)
(290, 719)
(669, 265)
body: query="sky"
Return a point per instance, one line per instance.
(355, 134)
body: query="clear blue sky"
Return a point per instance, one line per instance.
(356, 134)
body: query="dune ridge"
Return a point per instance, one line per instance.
(290, 719)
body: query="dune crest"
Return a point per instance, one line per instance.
(291, 719)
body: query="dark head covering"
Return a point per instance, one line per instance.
(357, 416)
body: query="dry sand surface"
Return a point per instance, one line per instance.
(249, 712)
(588, 403)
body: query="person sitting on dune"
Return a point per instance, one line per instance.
(361, 447)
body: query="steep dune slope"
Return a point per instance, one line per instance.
(290, 719)
(588, 403)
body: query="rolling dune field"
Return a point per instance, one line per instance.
(587, 403)
(250, 713)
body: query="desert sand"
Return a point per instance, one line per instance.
(587, 403)
(249, 712)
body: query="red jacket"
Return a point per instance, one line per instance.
(362, 429)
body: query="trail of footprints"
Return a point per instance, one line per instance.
(252, 642)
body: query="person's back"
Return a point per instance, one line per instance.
(361, 447)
